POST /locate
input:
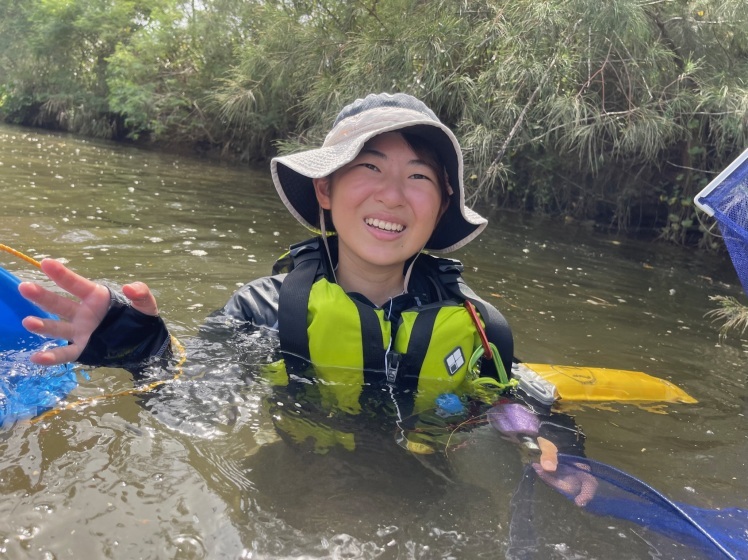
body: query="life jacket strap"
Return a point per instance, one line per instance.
(418, 346)
(371, 343)
(293, 302)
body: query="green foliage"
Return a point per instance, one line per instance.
(150, 78)
(731, 313)
(618, 111)
(54, 60)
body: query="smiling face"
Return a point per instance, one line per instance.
(384, 204)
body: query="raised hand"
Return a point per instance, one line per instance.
(79, 317)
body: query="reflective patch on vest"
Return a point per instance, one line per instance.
(454, 361)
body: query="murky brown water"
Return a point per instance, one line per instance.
(195, 471)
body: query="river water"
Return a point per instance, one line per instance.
(196, 470)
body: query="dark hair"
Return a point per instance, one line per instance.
(428, 154)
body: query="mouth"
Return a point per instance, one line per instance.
(384, 226)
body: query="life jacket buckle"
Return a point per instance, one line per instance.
(392, 360)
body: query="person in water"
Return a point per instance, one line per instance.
(365, 302)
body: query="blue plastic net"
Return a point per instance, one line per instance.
(607, 491)
(26, 389)
(719, 533)
(727, 198)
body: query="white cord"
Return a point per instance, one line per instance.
(324, 242)
(409, 271)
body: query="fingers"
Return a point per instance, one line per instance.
(548, 455)
(78, 318)
(567, 485)
(573, 482)
(48, 301)
(93, 295)
(57, 356)
(141, 297)
(50, 328)
(588, 490)
(68, 280)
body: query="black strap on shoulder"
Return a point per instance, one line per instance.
(418, 345)
(371, 343)
(293, 303)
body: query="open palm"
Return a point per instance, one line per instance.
(78, 318)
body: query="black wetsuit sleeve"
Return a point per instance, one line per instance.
(256, 303)
(126, 337)
(132, 340)
(563, 431)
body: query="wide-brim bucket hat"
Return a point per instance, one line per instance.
(355, 125)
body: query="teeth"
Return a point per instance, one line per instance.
(386, 226)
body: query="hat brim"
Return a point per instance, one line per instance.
(293, 174)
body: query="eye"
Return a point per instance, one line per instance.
(369, 166)
(424, 177)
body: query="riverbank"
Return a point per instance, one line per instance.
(618, 114)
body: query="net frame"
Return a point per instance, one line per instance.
(725, 199)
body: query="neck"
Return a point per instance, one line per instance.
(378, 284)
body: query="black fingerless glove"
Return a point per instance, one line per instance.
(126, 337)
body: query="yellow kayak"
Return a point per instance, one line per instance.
(549, 383)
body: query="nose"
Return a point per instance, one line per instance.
(391, 192)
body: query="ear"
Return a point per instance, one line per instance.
(443, 209)
(322, 191)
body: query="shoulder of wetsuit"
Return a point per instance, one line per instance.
(307, 248)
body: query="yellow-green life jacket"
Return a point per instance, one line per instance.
(350, 343)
